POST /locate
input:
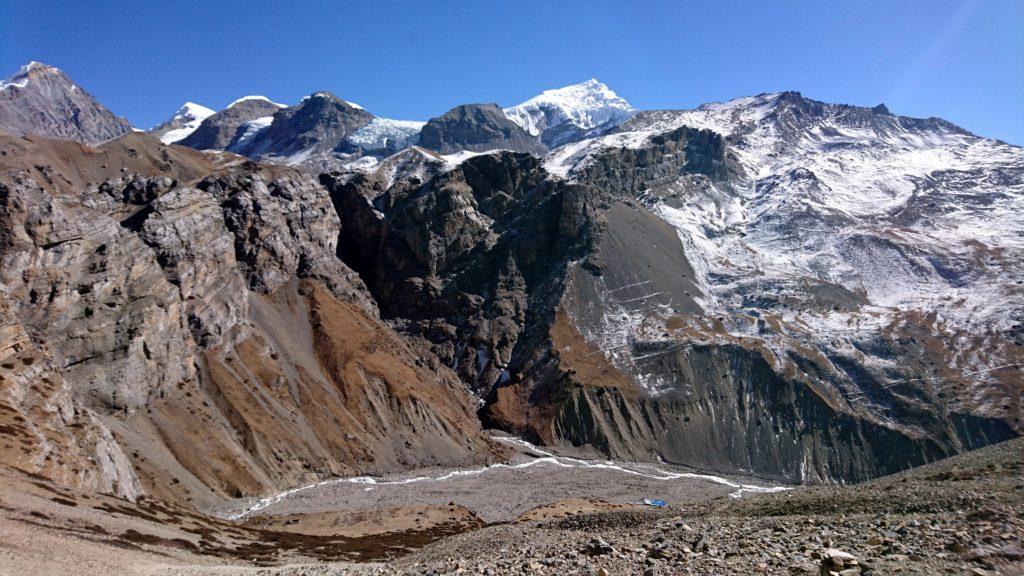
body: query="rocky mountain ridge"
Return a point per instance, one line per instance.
(527, 279)
(806, 291)
(354, 143)
(233, 127)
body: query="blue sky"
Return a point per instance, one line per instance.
(960, 60)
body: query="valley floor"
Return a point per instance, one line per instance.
(964, 515)
(531, 477)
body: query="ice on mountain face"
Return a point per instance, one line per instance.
(584, 106)
(386, 134)
(264, 98)
(252, 128)
(192, 115)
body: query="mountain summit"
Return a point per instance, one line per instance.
(41, 99)
(571, 113)
(184, 122)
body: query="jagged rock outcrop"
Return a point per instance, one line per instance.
(41, 99)
(185, 228)
(95, 294)
(234, 126)
(468, 261)
(477, 128)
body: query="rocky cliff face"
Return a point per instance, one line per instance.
(159, 305)
(44, 430)
(41, 99)
(477, 128)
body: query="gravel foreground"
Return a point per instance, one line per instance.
(964, 515)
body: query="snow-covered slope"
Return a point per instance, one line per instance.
(570, 113)
(892, 246)
(184, 122)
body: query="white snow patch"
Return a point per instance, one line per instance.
(256, 97)
(252, 128)
(20, 78)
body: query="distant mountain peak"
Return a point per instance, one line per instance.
(184, 122)
(477, 128)
(189, 107)
(41, 99)
(570, 113)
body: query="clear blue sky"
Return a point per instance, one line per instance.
(960, 60)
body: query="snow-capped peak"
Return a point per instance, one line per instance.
(330, 96)
(256, 97)
(193, 111)
(585, 106)
(184, 122)
(20, 78)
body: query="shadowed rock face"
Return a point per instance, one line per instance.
(205, 328)
(477, 128)
(470, 261)
(42, 100)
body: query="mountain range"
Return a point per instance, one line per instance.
(250, 299)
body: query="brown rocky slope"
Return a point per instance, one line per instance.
(186, 313)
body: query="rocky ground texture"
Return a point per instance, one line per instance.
(964, 515)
